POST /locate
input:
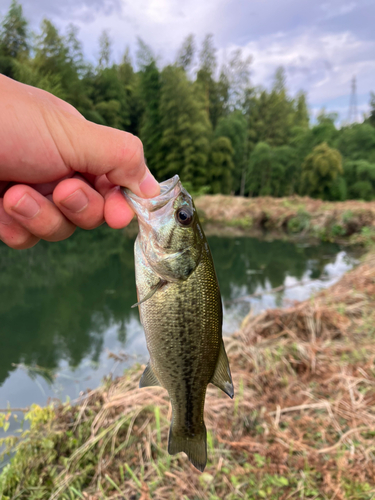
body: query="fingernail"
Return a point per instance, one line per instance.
(149, 186)
(4, 217)
(76, 202)
(27, 207)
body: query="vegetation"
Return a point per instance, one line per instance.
(319, 171)
(302, 423)
(208, 124)
(350, 222)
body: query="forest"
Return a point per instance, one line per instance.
(207, 123)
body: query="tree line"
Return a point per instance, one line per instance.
(208, 124)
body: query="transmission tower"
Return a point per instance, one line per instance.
(352, 115)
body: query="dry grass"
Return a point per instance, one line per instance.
(302, 423)
(292, 215)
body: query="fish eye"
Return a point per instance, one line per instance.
(184, 216)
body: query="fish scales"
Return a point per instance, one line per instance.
(181, 312)
(183, 325)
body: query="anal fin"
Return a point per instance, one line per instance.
(222, 377)
(148, 379)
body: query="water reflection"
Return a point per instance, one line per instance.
(62, 305)
(58, 300)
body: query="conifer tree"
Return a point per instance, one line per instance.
(325, 130)
(14, 39)
(50, 68)
(279, 115)
(186, 53)
(301, 114)
(211, 89)
(131, 83)
(371, 118)
(151, 128)
(185, 128)
(110, 99)
(360, 179)
(105, 50)
(267, 169)
(221, 166)
(357, 142)
(237, 72)
(234, 127)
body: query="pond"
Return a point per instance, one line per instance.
(65, 308)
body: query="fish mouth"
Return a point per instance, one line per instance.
(169, 189)
(168, 185)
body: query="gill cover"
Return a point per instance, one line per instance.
(170, 237)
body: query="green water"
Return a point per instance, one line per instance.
(64, 306)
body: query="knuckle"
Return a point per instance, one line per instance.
(135, 158)
(59, 231)
(92, 224)
(137, 143)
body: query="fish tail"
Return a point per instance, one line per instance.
(195, 446)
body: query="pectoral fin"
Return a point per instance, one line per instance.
(148, 378)
(222, 377)
(153, 289)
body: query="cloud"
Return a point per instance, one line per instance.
(68, 10)
(331, 10)
(322, 64)
(321, 44)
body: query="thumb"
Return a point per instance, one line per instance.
(96, 149)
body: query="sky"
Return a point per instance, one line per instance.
(321, 44)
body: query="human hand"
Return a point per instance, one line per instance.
(59, 171)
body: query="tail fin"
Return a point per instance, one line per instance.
(195, 447)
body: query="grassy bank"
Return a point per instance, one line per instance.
(349, 221)
(302, 423)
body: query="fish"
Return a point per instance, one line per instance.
(180, 310)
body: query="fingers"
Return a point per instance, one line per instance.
(36, 214)
(13, 234)
(96, 149)
(80, 203)
(117, 212)
(28, 214)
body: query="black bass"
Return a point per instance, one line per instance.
(180, 309)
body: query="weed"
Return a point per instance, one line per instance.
(337, 230)
(347, 216)
(245, 222)
(299, 223)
